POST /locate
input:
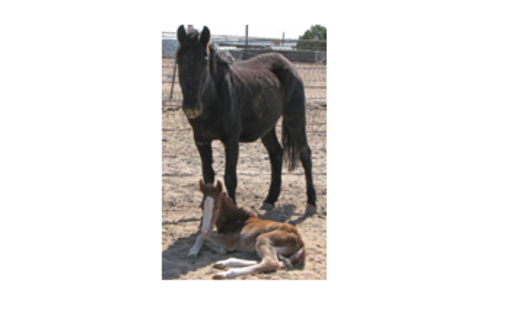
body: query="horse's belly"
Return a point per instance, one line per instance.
(260, 121)
(252, 135)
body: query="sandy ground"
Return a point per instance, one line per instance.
(181, 197)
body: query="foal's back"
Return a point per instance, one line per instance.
(281, 235)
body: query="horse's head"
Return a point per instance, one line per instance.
(210, 205)
(192, 57)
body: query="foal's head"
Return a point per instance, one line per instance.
(220, 210)
(209, 205)
(193, 57)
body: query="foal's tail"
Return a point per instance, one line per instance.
(299, 258)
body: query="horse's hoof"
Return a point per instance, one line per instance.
(219, 276)
(311, 209)
(192, 254)
(219, 265)
(285, 261)
(266, 206)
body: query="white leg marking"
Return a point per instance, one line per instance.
(235, 272)
(194, 251)
(234, 262)
(208, 212)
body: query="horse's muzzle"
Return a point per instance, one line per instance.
(192, 111)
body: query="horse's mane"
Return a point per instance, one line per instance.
(221, 56)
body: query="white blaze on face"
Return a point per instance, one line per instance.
(208, 212)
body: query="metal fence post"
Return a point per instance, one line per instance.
(173, 76)
(246, 38)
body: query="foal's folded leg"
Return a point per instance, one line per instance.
(222, 243)
(266, 251)
(216, 247)
(265, 265)
(194, 251)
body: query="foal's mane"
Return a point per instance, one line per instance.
(231, 217)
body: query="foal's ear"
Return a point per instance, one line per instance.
(219, 186)
(205, 36)
(181, 33)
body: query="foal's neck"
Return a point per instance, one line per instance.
(231, 217)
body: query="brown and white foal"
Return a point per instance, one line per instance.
(239, 229)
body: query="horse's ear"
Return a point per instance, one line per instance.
(205, 36)
(219, 186)
(202, 186)
(181, 33)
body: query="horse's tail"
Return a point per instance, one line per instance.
(290, 147)
(294, 110)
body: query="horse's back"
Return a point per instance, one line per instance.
(275, 66)
(272, 61)
(265, 87)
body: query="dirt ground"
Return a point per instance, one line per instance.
(181, 172)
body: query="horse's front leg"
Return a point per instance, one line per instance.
(231, 147)
(201, 240)
(205, 152)
(194, 251)
(219, 243)
(222, 243)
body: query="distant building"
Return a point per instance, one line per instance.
(236, 45)
(169, 46)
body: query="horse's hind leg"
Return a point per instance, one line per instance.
(269, 261)
(234, 262)
(306, 159)
(297, 132)
(294, 137)
(275, 151)
(265, 265)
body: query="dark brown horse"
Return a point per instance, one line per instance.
(241, 101)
